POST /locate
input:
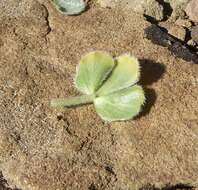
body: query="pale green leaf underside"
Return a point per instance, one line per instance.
(120, 105)
(70, 7)
(125, 74)
(92, 71)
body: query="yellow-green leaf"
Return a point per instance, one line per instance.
(92, 71)
(120, 105)
(125, 74)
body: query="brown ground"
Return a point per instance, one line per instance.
(47, 149)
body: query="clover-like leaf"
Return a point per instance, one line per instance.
(70, 7)
(120, 105)
(109, 84)
(92, 71)
(125, 74)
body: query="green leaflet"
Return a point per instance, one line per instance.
(120, 105)
(125, 74)
(109, 84)
(70, 7)
(92, 71)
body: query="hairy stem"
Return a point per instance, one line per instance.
(72, 101)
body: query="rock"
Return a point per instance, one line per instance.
(192, 10)
(160, 37)
(42, 148)
(183, 22)
(194, 33)
(177, 31)
(153, 9)
(150, 8)
(178, 7)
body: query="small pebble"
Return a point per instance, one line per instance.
(191, 42)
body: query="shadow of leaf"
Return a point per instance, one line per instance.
(150, 72)
(150, 101)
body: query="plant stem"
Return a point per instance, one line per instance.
(72, 101)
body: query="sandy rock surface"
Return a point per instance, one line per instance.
(4, 185)
(192, 10)
(46, 149)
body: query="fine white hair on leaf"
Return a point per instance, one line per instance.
(110, 84)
